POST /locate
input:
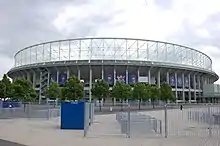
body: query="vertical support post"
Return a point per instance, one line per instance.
(102, 73)
(114, 75)
(168, 76)
(48, 78)
(194, 85)
(138, 74)
(90, 84)
(176, 86)
(79, 73)
(68, 73)
(183, 86)
(210, 120)
(149, 77)
(189, 87)
(126, 75)
(165, 116)
(158, 78)
(34, 80)
(129, 123)
(58, 76)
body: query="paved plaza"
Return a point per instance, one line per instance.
(104, 132)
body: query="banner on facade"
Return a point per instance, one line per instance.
(186, 83)
(109, 78)
(62, 78)
(121, 78)
(179, 81)
(132, 79)
(172, 81)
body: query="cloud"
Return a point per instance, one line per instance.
(193, 23)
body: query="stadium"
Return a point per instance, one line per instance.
(126, 59)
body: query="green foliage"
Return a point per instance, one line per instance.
(100, 89)
(155, 93)
(166, 92)
(122, 91)
(73, 89)
(53, 91)
(8, 85)
(140, 91)
(22, 90)
(2, 90)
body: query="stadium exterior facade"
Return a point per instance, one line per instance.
(125, 59)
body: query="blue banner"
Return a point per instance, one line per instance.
(62, 78)
(132, 79)
(172, 81)
(186, 83)
(179, 81)
(109, 78)
(121, 78)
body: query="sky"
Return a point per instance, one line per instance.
(194, 23)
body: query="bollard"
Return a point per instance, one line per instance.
(160, 123)
(165, 114)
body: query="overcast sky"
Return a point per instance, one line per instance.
(194, 23)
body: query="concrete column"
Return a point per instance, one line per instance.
(90, 84)
(79, 74)
(194, 85)
(58, 76)
(67, 73)
(34, 80)
(127, 75)
(149, 77)
(189, 88)
(183, 88)
(102, 73)
(48, 78)
(168, 76)
(158, 78)
(138, 74)
(114, 76)
(28, 77)
(176, 85)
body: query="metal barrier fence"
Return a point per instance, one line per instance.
(30, 111)
(199, 121)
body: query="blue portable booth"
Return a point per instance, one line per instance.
(75, 115)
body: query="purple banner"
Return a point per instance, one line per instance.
(109, 78)
(121, 78)
(62, 78)
(179, 81)
(186, 83)
(172, 81)
(132, 79)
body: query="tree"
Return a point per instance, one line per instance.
(155, 94)
(7, 83)
(140, 92)
(166, 92)
(22, 90)
(73, 89)
(122, 91)
(2, 90)
(53, 91)
(100, 90)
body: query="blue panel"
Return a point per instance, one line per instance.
(72, 115)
